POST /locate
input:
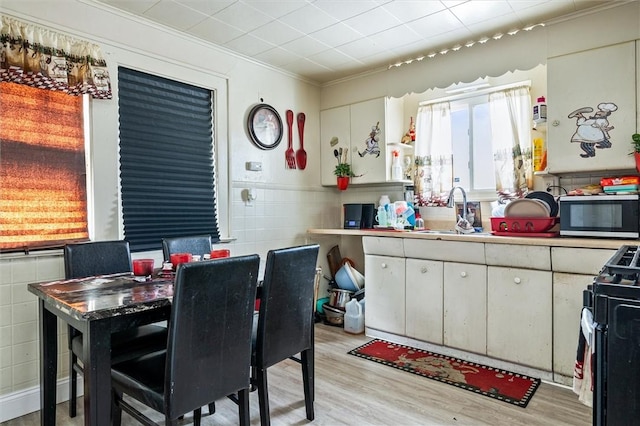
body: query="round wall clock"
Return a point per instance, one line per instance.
(265, 126)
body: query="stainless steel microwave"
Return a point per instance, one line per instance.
(607, 216)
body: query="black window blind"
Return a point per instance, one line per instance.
(166, 159)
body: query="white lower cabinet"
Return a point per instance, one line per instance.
(385, 300)
(465, 306)
(567, 307)
(519, 316)
(573, 270)
(424, 286)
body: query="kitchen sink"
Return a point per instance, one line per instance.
(436, 231)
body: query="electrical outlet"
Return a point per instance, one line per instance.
(551, 183)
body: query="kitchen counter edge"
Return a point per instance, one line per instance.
(605, 243)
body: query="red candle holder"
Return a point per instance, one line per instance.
(143, 267)
(178, 258)
(215, 254)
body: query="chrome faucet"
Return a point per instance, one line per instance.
(451, 202)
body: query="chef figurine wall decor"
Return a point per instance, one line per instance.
(593, 131)
(372, 146)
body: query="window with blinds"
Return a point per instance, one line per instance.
(166, 159)
(43, 191)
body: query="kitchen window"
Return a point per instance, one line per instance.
(43, 173)
(167, 167)
(481, 142)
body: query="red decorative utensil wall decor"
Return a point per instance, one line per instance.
(301, 154)
(289, 153)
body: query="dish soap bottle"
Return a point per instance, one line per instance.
(419, 222)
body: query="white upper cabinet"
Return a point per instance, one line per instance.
(366, 129)
(592, 109)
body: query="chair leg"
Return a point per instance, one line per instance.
(73, 384)
(212, 408)
(197, 415)
(116, 410)
(243, 407)
(308, 371)
(263, 396)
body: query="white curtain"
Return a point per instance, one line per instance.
(433, 154)
(510, 112)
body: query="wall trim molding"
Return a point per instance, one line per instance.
(25, 401)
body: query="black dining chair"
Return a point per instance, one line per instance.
(197, 244)
(209, 351)
(101, 258)
(283, 327)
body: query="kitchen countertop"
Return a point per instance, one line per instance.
(605, 243)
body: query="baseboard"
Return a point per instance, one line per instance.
(20, 403)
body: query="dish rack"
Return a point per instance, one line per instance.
(525, 226)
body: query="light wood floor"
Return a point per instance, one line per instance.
(354, 391)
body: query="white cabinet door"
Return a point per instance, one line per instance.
(334, 123)
(364, 128)
(368, 153)
(465, 306)
(567, 307)
(592, 109)
(424, 286)
(519, 316)
(385, 295)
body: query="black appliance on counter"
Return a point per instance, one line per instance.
(358, 216)
(614, 300)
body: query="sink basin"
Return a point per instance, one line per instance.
(436, 231)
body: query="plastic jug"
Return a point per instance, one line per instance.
(353, 318)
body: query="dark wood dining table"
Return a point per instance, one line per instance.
(96, 306)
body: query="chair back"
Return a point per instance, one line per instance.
(285, 321)
(209, 345)
(96, 258)
(197, 244)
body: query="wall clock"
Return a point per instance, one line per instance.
(265, 126)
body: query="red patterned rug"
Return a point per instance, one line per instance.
(499, 384)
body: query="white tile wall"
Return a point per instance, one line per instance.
(19, 350)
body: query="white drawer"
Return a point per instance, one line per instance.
(517, 256)
(383, 246)
(579, 261)
(451, 251)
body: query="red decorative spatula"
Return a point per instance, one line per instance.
(301, 154)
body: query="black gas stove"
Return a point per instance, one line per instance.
(614, 300)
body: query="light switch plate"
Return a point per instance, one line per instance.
(254, 166)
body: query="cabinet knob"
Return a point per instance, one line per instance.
(383, 265)
(424, 270)
(463, 274)
(555, 123)
(517, 280)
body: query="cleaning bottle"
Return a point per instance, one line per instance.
(353, 318)
(396, 167)
(419, 222)
(539, 155)
(540, 110)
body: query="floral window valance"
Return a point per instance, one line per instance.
(46, 59)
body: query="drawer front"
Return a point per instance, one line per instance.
(384, 246)
(451, 251)
(517, 256)
(579, 261)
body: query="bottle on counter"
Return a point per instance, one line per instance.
(419, 222)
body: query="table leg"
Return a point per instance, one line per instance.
(97, 373)
(48, 365)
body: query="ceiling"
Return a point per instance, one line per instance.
(325, 40)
